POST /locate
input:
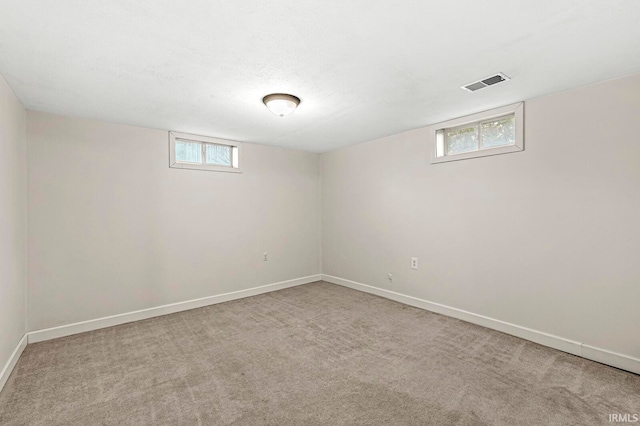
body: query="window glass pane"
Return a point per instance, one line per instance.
(188, 151)
(461, 139)
(220, 155)
(499, 132)
(235, 157)
(440, 143)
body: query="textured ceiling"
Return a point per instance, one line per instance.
(363, 69)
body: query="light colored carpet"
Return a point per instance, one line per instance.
(317, 354)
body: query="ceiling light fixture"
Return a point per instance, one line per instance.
(281, 104)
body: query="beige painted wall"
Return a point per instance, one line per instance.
(113, 229)
(13, 222)
(548, 238)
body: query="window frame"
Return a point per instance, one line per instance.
(204, 140)
(477, 119)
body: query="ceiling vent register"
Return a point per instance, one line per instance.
(489, 81)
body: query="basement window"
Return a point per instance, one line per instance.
(204, 153)
(498, 131)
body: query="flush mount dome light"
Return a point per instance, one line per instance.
(281, 104)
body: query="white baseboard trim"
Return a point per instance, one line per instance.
(110, 321)
(614, 359)
(603, 356)
(12, 361)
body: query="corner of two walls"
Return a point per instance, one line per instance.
(546, 239)
(13, 229)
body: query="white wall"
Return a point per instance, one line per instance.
(13, 222)
(548, 238)
(113, 229)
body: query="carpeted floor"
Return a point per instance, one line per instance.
(317, 354)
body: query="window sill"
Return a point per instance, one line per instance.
(474, 154)
(225, 169)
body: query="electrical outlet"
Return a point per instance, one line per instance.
(390, 278)
(414, 263)
(265, 257)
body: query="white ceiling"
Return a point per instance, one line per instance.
(363, 69)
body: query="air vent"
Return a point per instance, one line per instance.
(486, 82)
